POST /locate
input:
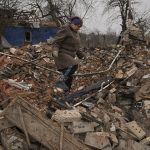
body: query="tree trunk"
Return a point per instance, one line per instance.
(124, 25)
(1, 46)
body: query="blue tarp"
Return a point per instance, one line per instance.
(15, 35)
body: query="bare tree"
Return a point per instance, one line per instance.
(99, 40)
(143, 21)
(7, 11)
(123, 10)
(6, 4)
(59, 10)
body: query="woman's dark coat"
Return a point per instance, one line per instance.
(67, 43)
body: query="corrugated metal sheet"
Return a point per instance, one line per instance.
(15, 35)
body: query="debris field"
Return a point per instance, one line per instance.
(113, 116)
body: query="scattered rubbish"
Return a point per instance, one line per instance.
(21, 85)
(99, 112)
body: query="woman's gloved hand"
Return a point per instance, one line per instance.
(55, 53)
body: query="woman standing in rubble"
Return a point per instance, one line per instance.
(66, 46)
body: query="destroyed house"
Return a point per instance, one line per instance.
(24, 27)
(20, 35)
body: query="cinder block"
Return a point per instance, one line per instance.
(136, 130)
(66, 116)
(82, 127)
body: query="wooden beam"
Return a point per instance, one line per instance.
(44, 130)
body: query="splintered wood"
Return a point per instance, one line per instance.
(44, 130)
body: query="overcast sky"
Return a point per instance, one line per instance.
(96, 21)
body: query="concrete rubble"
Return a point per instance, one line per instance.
(113, 118)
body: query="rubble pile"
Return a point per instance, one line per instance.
(112, 118)
(24, 75)
(124, 106)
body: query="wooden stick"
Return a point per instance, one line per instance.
(77, 104)
(99, 72)
(23, 125)
(34, 60)
(61, 135)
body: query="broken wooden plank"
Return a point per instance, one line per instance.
(23, 125)
(61, 136)
(41, 128)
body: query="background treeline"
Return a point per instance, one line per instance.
(98, 40)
